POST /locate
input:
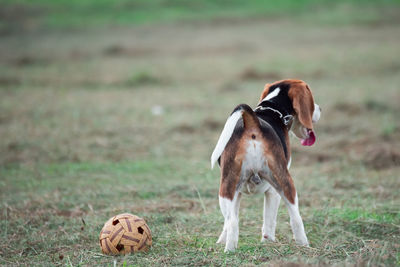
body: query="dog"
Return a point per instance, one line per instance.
(253, 152)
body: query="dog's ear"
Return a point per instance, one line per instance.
(265, 91)
(303, 103)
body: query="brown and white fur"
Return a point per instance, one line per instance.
(254, 156)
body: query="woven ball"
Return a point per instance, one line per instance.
(125, 233)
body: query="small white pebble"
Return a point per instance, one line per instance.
(157, 110)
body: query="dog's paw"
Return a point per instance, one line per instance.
(229, 249)
(222, 238)
(231, 245)
(303, 242)
(267, 238)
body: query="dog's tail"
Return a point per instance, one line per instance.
(250, 120)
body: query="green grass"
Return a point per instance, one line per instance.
(80, 141)
(353, 215)
(56, 14)
(51, 224)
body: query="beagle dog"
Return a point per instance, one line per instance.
(253, 152)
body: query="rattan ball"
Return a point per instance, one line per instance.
(125, 233)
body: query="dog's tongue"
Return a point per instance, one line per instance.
(310, 140)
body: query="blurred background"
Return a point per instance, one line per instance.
(100, 100)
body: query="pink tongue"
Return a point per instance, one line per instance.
(310, 140)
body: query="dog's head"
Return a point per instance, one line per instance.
(304, 110)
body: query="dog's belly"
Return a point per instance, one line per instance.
(254, 162)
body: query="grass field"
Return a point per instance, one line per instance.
(122, 114)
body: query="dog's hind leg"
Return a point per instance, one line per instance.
(230, 232)
(271, 205)
(283, 183)
(223, 205)
(296, 222)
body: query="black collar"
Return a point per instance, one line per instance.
(275, 110)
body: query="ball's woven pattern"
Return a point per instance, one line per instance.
(125, 233)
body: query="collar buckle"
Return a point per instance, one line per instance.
(287, 119)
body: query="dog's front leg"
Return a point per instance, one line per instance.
(271, 205)
(230, 210)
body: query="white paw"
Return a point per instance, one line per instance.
(229, 248)
(231, 244)
(302, 242)
(267, 238)
(222, 238)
